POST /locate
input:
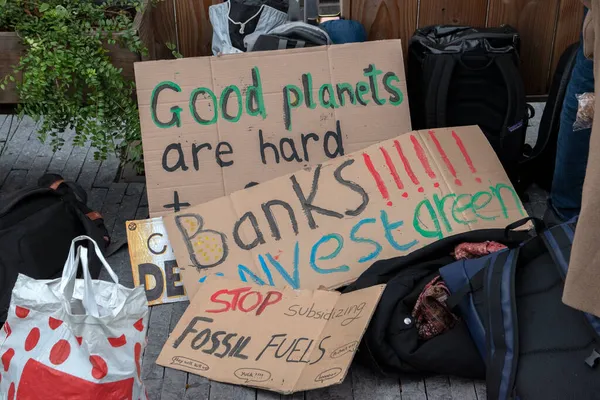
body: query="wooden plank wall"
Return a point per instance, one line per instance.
(547, 27)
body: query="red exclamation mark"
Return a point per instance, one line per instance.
(393, 171)
(444, 157)
(407, 167)
(377, 177)
(463, 150)
(423, 158)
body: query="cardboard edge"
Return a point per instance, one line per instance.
(343, 376)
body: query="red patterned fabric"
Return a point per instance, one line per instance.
(476, 250)
(431, 314)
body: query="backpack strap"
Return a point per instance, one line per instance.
(436, 98)
(501, 325)
(558, 241)
(517, 108)
(463, 278)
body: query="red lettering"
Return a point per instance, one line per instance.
(233, 299)
(259, 299)
(228, 305)
(269, 302)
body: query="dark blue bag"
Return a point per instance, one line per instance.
(534, 346)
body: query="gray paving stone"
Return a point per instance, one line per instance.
(438, 388)
(413, 388)
(367, 384)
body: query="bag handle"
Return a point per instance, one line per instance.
(69, 275)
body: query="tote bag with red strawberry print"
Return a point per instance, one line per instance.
(74, 339)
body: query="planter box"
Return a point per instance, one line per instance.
(11, 50)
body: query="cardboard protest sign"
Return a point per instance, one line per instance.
(153, 262)
(326, 224)
(214, 125)
(283, 340)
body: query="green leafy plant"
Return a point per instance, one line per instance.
(173, 47)
(68, 79)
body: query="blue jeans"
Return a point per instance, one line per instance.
(572, 147)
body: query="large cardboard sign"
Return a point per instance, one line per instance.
(283, 340)
(215, 125)
(326, 224)
(153, 262)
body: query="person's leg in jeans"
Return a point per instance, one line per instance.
(573, 147)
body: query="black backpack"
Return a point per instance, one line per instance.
(461, 76)
(37, 226)
(535, 346)
(391, 344)
(538, 166)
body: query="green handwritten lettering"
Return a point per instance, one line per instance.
(439, 205)
(496, 192)
(255, 103)
(420, 226)
(224, 100)
(396, 96)
(194, 96)
(175, 110)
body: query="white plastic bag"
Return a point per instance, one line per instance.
(71, 338)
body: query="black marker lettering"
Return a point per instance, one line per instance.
(190, 329)
(172, 278)
(328, 102)
(153, 270)
(294, 155)
(180, 158)
(281, 347)
(345, 88)
(302, 360)
(296, 349)
(288, 104)
(220, 152)
(161, 251)
(175, 110)
(227, 345)
(204, 335)
(352, 186)
(189, 238)
(371, 72)
(306, 203)
(362, 88)
(305, 138)
(215, 342)
(322, 349)
(308, 95)
(255, 104)
(396, 97)
(176, 205)
(225, 100)
(337, 136)
(236, 232)
(194, 96)
(270, 344)
(195, 150)
(238, 352)
(273, 222)
(264, 145)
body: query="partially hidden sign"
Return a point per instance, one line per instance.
(215, 125)
(326, 224)
(153, 262)
(283, 340)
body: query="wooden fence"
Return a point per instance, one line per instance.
(547, 27)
